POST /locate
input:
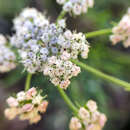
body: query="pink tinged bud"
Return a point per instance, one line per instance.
(21, 96)
(31, 92)
(75, 124)
(76, 70)
(95, 116)
(27, 108)
(102, 120)
(43, 106)
(116, 38)
(2, 39)
(11, 113)
(84, 114)
(64, 84)
(65, 56)
(92, 106)
(12, 102)
(68, 34)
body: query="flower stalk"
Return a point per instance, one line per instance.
(28, 81)
(67, 100)
(100, 74)
(98, 33)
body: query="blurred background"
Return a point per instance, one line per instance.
(113, 60)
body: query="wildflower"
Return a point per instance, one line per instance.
(49, 47)
(12, 102)
(76, 7)
(84, 114)
(42, 107)
(88, 118)
(11, 113)
(31, 93)
(21, 96)
(92, 106)
(75, 124)
(26, 108)
(7, 57)
(121, 32)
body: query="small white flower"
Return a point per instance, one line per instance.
(12, 102)
(2, 39)
(7, 56)
(121, 32)
(37, 99)
(75, 124)
(68, 34)
(62, 23)
(92, 106)
(67, 6)
(60, 1)
(76, 7)
(29, 109)
(21, 96)
(87, 119)
(84, 114)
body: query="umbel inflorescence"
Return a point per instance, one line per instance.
(48, 47)
(121, 32)
(26, 105)
(89, 118)
(7, 57)
(76, 7)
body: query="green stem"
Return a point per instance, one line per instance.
(100, 74)
(28, 81)
(61, 15)
(98, 33)
(67, 100)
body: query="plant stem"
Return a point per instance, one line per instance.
(100, 74)
(61, 15)
(67, 100)
(28, 81)
(98, 33)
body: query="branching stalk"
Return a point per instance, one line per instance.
(28, 81)
(67, 100)
(100, 74)
(98, 33)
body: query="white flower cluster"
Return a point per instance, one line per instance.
(48, 47)
(121, 32)
(7, 57)
(27, 105)
(89, 118)
(60, 71)
(28, 25)
(76, 7)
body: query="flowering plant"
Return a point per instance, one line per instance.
(53, 50)
(27, 105)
